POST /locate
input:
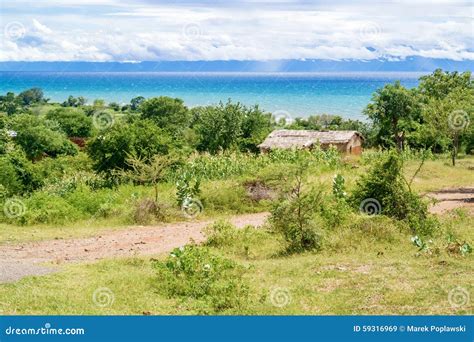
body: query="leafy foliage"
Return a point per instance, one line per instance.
(40, 138)
(385, 183)
(293, 216)
(142, 139)
(73, 122)
(196, 272)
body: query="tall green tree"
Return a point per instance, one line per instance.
(394, 111)
(141, 139)
(448, 106)
(219, 127)
(168, 113)
(31, 96)
(73, 121)
(39, 137)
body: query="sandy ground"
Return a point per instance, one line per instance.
(38, 258)
(449, 199)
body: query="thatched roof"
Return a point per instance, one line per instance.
(286, 139)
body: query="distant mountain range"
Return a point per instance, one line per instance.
(414, 64)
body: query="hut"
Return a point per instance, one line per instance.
(349, 142)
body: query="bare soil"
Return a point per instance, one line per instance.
(449, 199)
(18, 261)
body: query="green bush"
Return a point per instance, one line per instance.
(44, 208)
(73, 121)
(18, 175)
(214, 282)
(142, 139)
(294, 215)
(40, 138)
(386, 192)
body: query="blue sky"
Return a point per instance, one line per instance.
(117, 30)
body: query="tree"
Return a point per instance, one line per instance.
(142, 139)
(394, 111)
(168, 113)
(9, 104)
(254, 128)
(38, 137)
(18, 175)
(115, 106)
(448, 99)
(136, 102)
(219, 127)
(31, 96)
(441, 83)
(73, 121)
(293, 215)
(70, 102)
(448, 118)
(148, 170)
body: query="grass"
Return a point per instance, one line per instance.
(366, 266)
(359, 271)
(227, 197)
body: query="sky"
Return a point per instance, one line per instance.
(133, 31)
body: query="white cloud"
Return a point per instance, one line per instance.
(113, 31)
(41, 28)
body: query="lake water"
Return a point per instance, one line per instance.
(301, 94)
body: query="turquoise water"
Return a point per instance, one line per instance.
(345, 94)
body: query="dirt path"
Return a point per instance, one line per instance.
(22, 260)
(449, 199)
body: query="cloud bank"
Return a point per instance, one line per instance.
(115, 30)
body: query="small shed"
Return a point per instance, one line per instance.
(345, 141)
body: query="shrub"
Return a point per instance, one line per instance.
(220, 234)
(168, 113)
(39, 138)
(215, 282)
(148, 210)
(338, 187)
(18, 175)
(142, 139)
(73, 121)
(293, 216)
(187, 186)
(42, 207)
(247, 242)
(385, 187)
